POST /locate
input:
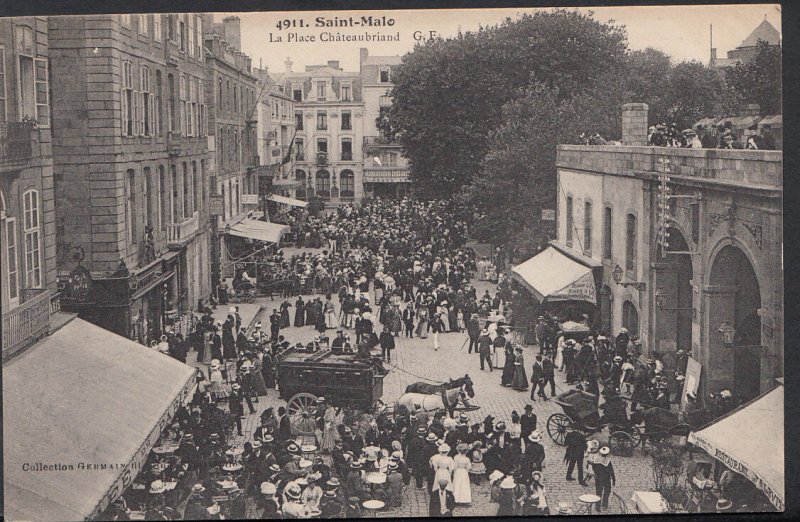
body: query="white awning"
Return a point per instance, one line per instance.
(287, 201)
(82, 409)
(552, 275)
(259, 230)
(749, 440)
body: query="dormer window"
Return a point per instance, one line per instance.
(384, 75)
(321, 91)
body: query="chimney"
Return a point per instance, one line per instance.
(362, 54)
(634, 124)
(288, 64)
(233, 31)
(713, 55)
(333, 64)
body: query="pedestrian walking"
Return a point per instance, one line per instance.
(573, 456)
(386, 340)
(485, 349)
(604, 478)
(408, 319)
(520, 380)
(462, 465)
(235, 406)
(437, 326)
(549, 373)
(537, 379)
(473, 331)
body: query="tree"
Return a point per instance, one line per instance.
(692, 91)
(449, 93)
(646, 80)
(759, 80)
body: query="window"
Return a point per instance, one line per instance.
(126, 21)
(347, 123)
(130, 205)
(219, 95)
(297, 92)
(202, 122)
(128, 100)
(148, 198)
(388, 159)
(323, 184)
(144, 30)
(163, 198)
(321, 91)
(182, 33)
(33, 83)
(33, 268)
(322, 145)
(587, 228)
(190, 33)
(10, 241)
(347, 180)
(298, 120)
(235, 102)
(195, 189)
(299, 151)
(630, 318)
(182, 106)
(608, 228)
(158, 114)
(187, 210)
(569, 221)
(199, 37)
(146, 102)
(346, 92)
(300, 175)
(191, 108)
(171, 111)
(630, 246)
(157, 27)
(384, 77)
(174, 201)
(3, 108)
(347, 149)
(322, 120)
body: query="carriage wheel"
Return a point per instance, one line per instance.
(656, 433)
(301, 403)
(621, 444)
(681, 430)
(635, 434)
(558, 425)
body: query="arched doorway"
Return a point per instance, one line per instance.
(630, 318)
(323, 183)
(736, 301)
(673, 296)
(347, 182)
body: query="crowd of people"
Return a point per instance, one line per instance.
(701, 137)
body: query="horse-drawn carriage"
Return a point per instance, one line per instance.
(453, 396)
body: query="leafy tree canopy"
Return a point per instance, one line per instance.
(759, 80)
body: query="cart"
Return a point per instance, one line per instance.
(581, 414)
(343, 380)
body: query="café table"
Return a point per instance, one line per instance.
(373, 506)
(588, 500)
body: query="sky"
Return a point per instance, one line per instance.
(680, 31)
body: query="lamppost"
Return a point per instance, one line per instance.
(617, 275)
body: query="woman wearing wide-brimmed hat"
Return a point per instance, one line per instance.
(461, 468)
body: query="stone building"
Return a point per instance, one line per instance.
(131, 153)
(715, 289)
(27, 214)
(386, 171)
(329, 108)
(746, 50)
(276, 130)
(233, 115)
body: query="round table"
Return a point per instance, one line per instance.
(308, 451)
(588, 500)
(376, 478)
(373, 506)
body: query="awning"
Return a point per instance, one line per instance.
(553, 276)
(260, 230)
(287, 201)
(82, 410)
(749, 440)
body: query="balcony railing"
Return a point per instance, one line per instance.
(379, 140)
(386, 175)
(179, 233)
(15, 143)
(26, 323)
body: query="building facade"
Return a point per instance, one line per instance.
(27, 213)
(328, 112)
(132, 167)
(233, 116)
(715, 287)
(746, 50)
(386, 171)
(276, 132)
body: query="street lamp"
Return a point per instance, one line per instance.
(728, 332)
(617, 275)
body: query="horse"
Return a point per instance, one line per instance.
(446, 395)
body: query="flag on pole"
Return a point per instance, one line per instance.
(288, 157)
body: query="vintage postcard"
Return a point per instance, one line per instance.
(392, 263)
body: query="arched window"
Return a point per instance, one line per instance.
(300, 175)
(347, 182)
(323, 183)
(33, 258)
(630, 318)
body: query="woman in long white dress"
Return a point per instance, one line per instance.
(559, 362)
(442, 467)
(330, 432)
(330, 313)
(461, 485)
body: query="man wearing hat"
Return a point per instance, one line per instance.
(575, 442)
(537, 379)
(355, 483)
(330, 506)
(533, 458)
(474, 332)
(235, 406)
(485, 349)
(604, 478)
(527, 422)
(417, 449)
(442, 500)
(386, 341)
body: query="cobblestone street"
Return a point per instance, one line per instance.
(415, 360)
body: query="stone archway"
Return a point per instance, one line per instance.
(673, 295)
(735, 299)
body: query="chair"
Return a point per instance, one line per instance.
(622, 505)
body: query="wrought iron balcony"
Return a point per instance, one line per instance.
(28, 322)
(178, 234)
(16, 148)
(375, 141)
(388, 174)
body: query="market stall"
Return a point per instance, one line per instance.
(749, 441)
(84, 407)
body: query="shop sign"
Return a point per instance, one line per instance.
(250, 199)
(548, 214)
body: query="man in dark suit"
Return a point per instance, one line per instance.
(387, 343)
(528, 422)
(442, 500)
(549, 373)
(235, 406)
(274, 324)
(474, 331)
(284, 428)
(537, 379)
(408, 320)
(485, 349)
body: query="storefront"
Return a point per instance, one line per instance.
(100, 403)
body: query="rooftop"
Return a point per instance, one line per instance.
(765, 31)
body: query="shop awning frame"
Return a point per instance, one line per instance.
(749, 440)
(85, 407)
(259, 230)
(553, 276)
(277, 198)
